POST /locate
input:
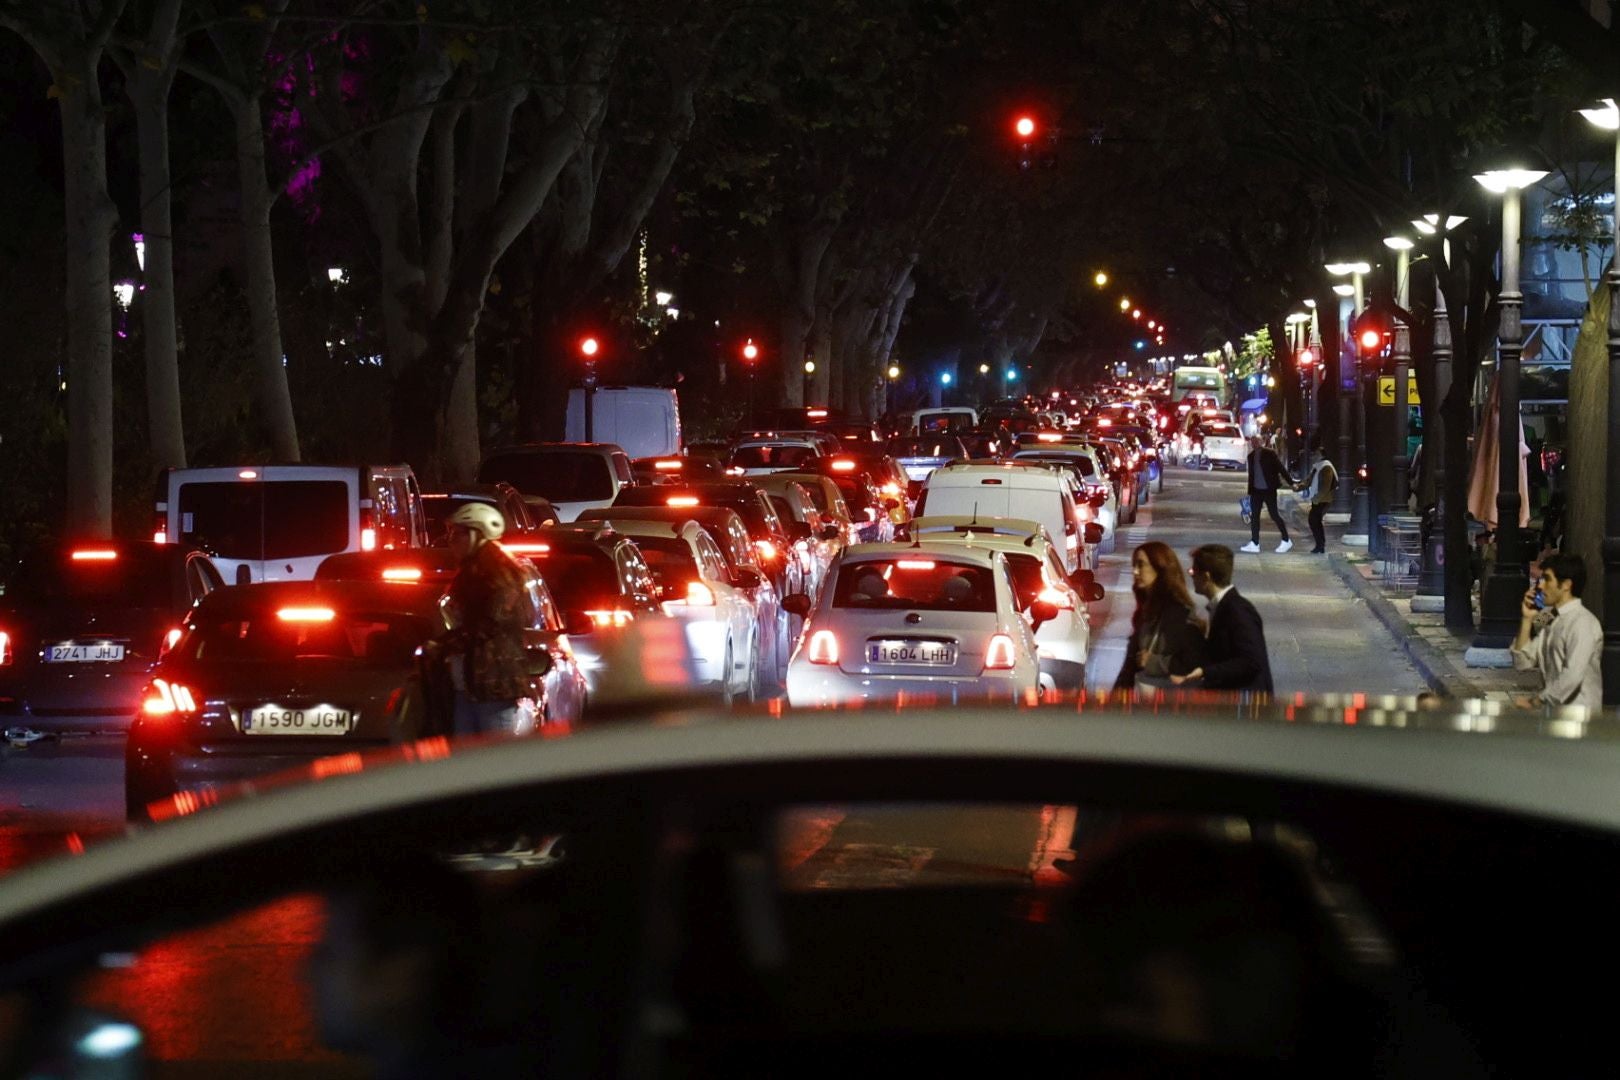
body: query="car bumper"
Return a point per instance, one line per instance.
(810, 685)
(706, 637)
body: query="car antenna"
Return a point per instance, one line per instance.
(975, 520)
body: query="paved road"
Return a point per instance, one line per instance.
(1322, 639)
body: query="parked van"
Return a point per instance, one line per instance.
(644, 420)
(277, 522)
(1006, 491)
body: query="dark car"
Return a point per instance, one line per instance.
(765, 528)
(676, 469)
(523, 515)
(81, 624)
(601, 583)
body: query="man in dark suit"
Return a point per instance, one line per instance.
(1267, 477)
(1236, 653)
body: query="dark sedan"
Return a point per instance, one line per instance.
(81, 624)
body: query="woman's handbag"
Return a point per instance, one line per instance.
(1246, 508)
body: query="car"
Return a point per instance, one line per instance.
(81, 624)
(743, 562)
(644, 420)
(1094, 500)
(870, 514)
(1063, 641)
(522, 516)
(695, 586)
(756, 456)
(920, 455)
(885, 476)
(1004, 490)
(1224, 445)
(570, 476)
(677, 469)
(269, 675)
(896, 619)
(601, 583)
(277, 522)
(1127, 475)
(816, 539)
(828, 496)
(941, 420)
(983, 445)
(765, 528)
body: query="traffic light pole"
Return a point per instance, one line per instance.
(1431, 589)
(1359, 530)
(590, 402)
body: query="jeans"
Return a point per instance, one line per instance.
(1319, 534)
(483, 717)
(1268, 499)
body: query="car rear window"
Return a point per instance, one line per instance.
(1078, 461)
(773, 457)
(581, 579)
(253, 519)
(934, 448)
(915, 584)
(131, 578)
(672, 564)
(561, 476)
(1222, 431)
(369, 639)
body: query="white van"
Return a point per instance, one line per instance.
(1006, 491)
(644, 420)
(948, 418)
(278, 522)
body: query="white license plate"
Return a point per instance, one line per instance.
(910, 652)
(84, 654)
(316, 720)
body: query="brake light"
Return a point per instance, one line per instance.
(816, 414)
(170, 640)
(1105, 422)
(1049, 436)
(164, 698)
(93, 555)
(669, 466)
(368, 530)
(999, 656)
(699, 595)
(5, 647)
(823, 648)
(160, 527)
(766, 549)
(248, 474)
(402, 573)
(891, 489)
(529, 548)
(916, 564)
(1056, 597)
(610, 617)
(843, 465)
(306, 614)
(736, 470)
(681, 500)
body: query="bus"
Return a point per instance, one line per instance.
(1205, 380)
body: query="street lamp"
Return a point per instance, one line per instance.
(1431, 587)
(1401, 358)
(1608, 119)
(1124, 303)
(336, 275)
(1504, 587)
(984, 369)
(1351, 505)
(1100, 278)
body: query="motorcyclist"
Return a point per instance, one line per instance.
(489, 608)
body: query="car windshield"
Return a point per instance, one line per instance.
(915, 584)
(559, 475)
(133, 577)
(251, 519)
(369, 639)
(773, 457)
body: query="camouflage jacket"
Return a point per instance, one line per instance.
(493, 605)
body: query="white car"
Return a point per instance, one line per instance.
(1006, 490)
(1063, 641)
(694, 586)
(755, 457)
(902, 619)
(1224, 445)
(1095, 500)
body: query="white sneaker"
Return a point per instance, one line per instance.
(1251, 547)
(1286, 545)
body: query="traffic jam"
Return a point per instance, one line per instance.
(285, 614)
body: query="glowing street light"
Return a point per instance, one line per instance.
(1136, 313)
(809, 367)
(750, 351)
(944, 378)
(1100, 278)
(894, 371)
(1124, 303)
(984, 369)
(1151, 324)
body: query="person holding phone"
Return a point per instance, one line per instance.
(1568, 649)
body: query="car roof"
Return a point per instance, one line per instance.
(368, 595)
(966, 474)
(1003, 534)
(883, 552)
(636, 527)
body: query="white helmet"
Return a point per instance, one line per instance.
(482, 518)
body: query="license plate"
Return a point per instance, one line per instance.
(316, 720)
(910, 652)
(84, 654)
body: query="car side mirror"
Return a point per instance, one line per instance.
(798, 530)
(890, 503)
(796, 604)
(1041, 611)
(577, 622)
(1082, 577)
(1094, 533)
(831, 532)
(1100, 498)
(1092, 592)
(746, 579)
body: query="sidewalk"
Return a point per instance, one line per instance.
(1436, 651)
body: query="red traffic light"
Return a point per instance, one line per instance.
(1306, 357)
(1371, 339)
(1025, 126)
(589, 347)
(750, 351)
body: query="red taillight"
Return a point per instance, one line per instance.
(999, 656)
(160, 527)
(170, 640)
(5, 647)
(93, 555)
(164, 698)
(843, 466)
(823, 648)
(368, 530)
(402, 573)
(610, 617)
(916, 564)
(527, 548)
(681, 501)
(669, 466)
(306, 614)
(766, 549)
(1056, 597)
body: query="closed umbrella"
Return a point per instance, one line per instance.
(1482, 475)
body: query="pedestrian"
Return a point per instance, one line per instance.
(1235, 653)
(490, 605)
(1266, 477)
(1166, 636)
(1568, 649)
(1320, 485)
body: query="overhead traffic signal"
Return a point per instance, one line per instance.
(1371, 332)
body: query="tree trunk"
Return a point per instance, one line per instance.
(1586, 477)
(259, 279)
(90, 219)
(821, 351)
(150, 92)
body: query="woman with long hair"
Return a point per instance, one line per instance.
(1166, 637)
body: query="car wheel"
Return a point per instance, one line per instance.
(782, 637)
(757, 688)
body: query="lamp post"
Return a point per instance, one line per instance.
(1401, 357)
(1431, 588)
(1608, 119)
(1504, 587)
(750, 353)
(1352, 499)
(809, 371)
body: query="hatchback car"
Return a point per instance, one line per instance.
(602, 584)
(920, 455)
(899, 619)
(765, 528)
(1224, 446)
(522, 516)
(753, 457)
(81, 624)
